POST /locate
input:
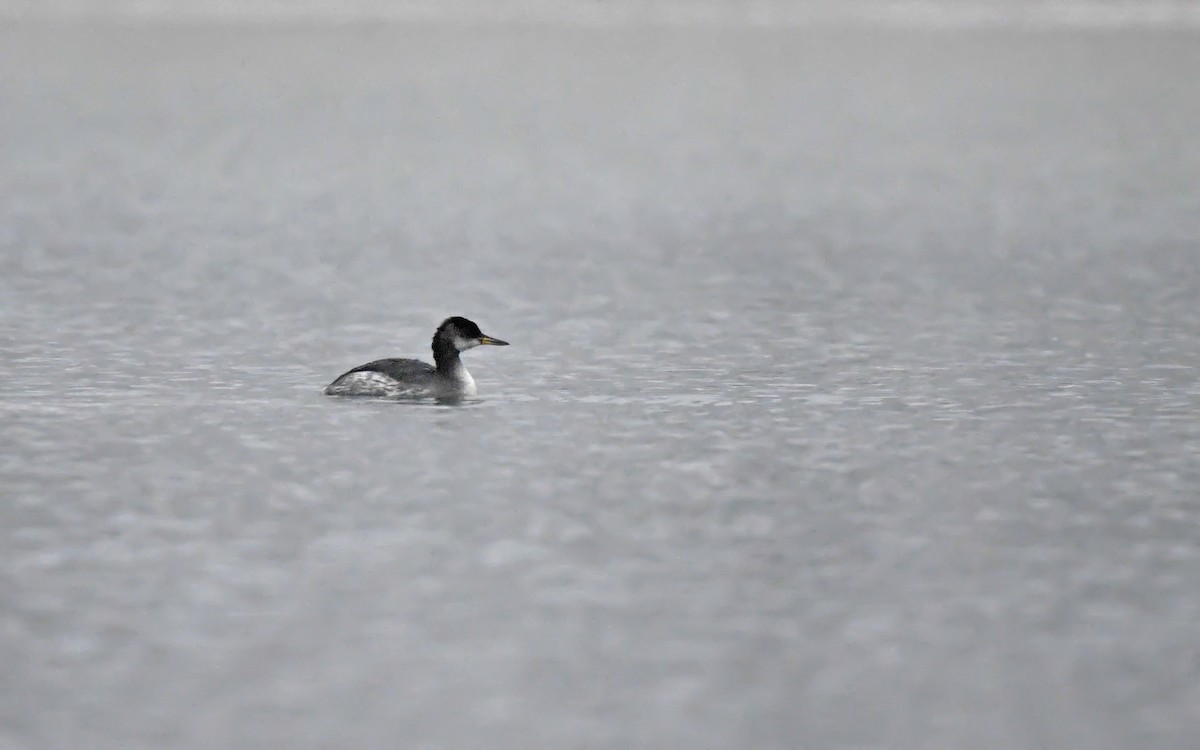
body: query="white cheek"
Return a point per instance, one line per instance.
(462, 344)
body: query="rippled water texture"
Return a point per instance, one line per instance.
(852, 399)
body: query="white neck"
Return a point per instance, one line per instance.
(459, 382)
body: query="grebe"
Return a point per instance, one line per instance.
(412, 378)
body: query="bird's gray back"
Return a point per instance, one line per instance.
(384, 377)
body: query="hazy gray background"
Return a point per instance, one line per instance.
(725, 13)
(852, 400)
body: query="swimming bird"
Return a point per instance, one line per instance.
(412, 378)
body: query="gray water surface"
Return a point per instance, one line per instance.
(852, 400)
